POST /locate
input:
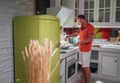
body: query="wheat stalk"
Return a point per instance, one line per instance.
(37, 59)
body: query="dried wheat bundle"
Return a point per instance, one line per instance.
(37, 59)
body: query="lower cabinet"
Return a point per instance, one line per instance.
(68, 67)
(109, 64)
(62, 71)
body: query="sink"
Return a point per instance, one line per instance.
(62, 52)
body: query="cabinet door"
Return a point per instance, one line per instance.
(49, 28)
(109, 65)
(25, 29)
(104, 10)
(117, 16)
(89, 10)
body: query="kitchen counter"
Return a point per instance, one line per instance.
(105, 56)
(73, 50)
(106, 46)
(69, 52)
(112, 50)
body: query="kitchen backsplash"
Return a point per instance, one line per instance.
(100, 33)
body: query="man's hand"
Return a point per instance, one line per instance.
(78, 43)
(74, 34)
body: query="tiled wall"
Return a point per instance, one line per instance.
(55, 3)
(9, 9)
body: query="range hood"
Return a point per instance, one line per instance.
(65, 15)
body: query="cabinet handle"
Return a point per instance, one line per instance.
(115, 61)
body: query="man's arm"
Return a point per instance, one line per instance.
(91, 36)
(74, 34)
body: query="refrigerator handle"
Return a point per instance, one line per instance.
(57, 45)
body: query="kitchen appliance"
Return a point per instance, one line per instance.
(65, 15)
(71, 67)
(35, 27)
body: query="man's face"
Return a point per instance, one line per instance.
(79, 21)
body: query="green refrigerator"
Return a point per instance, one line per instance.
(34, 27)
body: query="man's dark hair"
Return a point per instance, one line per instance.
(81, 16)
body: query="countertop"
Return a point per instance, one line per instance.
(73, 50)
(69, 52)
(112, 50)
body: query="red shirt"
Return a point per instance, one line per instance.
(84, 34)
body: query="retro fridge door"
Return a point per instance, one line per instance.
(51, 30)
(25, 28)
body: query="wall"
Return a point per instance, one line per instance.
(55, 3)
(9, 9)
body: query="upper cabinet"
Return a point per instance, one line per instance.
(117, 11)
(101, 13)
(104, 11)
(89, 10)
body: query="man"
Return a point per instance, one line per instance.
(86, 33)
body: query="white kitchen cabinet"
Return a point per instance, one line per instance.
(116, 12)
(104, 8)
(101, 13)
(108, 61)
(109, 65)
(97, 11)
(62, 71)
(89, 10)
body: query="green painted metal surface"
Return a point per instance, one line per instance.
(35, 27)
